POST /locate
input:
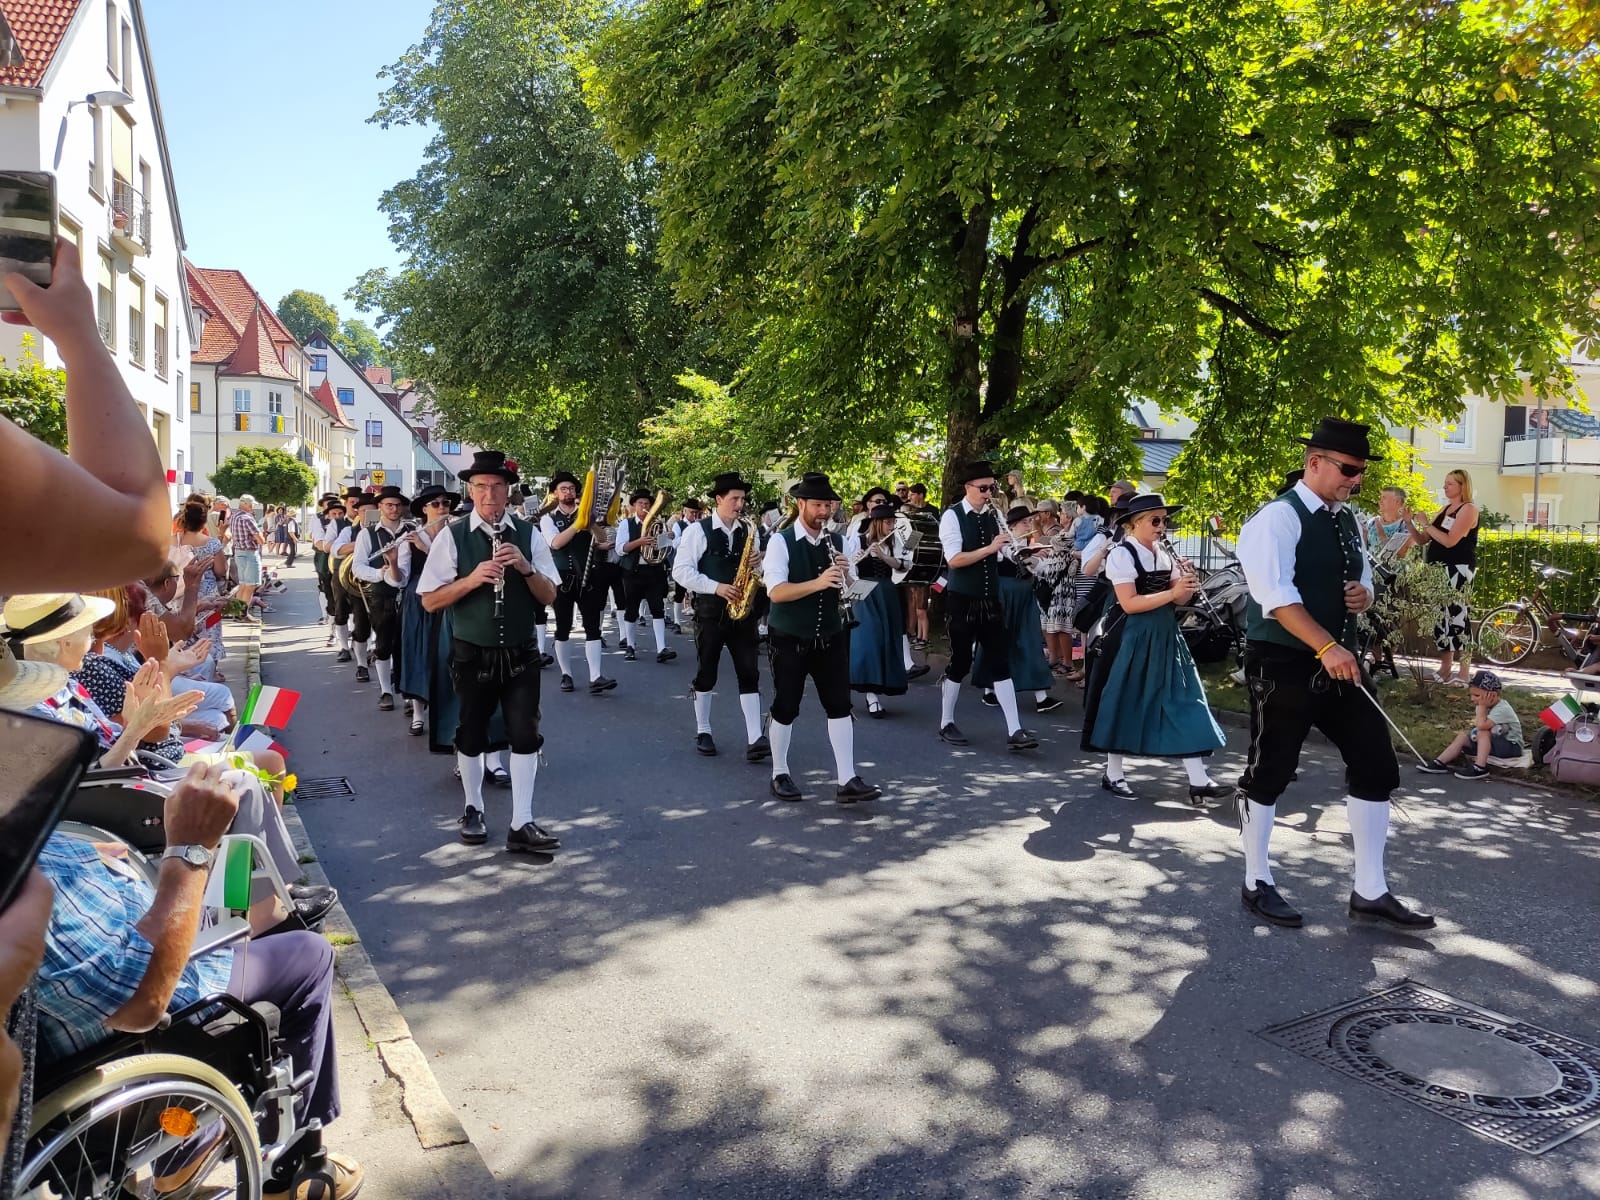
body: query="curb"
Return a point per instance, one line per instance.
(438, 1130)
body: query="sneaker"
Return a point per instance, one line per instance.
(342, 1171)
(1472, 771)
(990, 699)
(1434, 767)
(629, 654)
(1048, 704)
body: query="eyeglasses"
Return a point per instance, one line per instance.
(901, 490)
(1348, 470)
(437, 504)
(1158, 522)
(985, 488)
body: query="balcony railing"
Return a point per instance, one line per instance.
(161, 353)
(128, 218)
(1551, 451)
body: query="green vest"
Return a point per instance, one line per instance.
(472, 617)
(815, 617)
(721, 559)
(568, 557)
(1327, 556)
(981, 578)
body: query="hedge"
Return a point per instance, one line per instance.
(1506, 570)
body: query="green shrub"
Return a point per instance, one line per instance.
(1506, 570)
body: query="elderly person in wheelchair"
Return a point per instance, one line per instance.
(128, 968)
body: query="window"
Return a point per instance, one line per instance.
(275, 403)
(374, 433)
(122, 148)
(194, 395)
(347, 395)
(136, 320)
(177, 457)
(449, 447)
(127, 57)
(97, 180)
(241, 400)
(106, 301)
(319, 362)
(161, 336)
(1537, 514)
(1459, 435)
(113, 41)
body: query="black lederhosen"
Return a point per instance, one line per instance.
(827, 664)
(486, 677)
(1289, 695)
(588, 603)
(382, 604)
(713, 631)
(975, 621)
(645, 585)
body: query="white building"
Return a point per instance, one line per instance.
(78, 98)
(387, 449)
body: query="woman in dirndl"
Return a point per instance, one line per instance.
(1144, 696)
(1019, 608)
(419, 628)
(878, 642)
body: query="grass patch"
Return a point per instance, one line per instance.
(341, 939)
(307, 857)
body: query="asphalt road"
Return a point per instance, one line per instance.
(996, 981)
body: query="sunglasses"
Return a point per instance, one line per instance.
(437, 504)
(1348, 470)
(1158, 522)
(985, 488)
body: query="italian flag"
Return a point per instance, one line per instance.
(1216, 524)
(1559, 714)
(269, 706)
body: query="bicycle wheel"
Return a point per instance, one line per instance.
(115, 1130)
(1507, 635)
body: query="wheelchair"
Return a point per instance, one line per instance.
(177, 1113)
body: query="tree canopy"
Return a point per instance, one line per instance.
(306, 314)
(34, 397)
(268, 474)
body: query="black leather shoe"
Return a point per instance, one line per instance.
(1118, 787)
(666, 655)
(1389, 911)
(566, 683)
(604, 645)
(952, 735)
(1048, 704)
(1266, 903)
(704, 744)
(1200, 796)
(784, 789)
(602, 684)
(629, 654)
(343, 656)
(386, 702)
(473, 831)
(496, 777)
(418, 728)
(363, 675)
(1022, 739)
(546, 660)
(759, 750)
(990, 699)
(856, 791)
(530, 839)
(312, 909)
(917, 672)
(311, 891)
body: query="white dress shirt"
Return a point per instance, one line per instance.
(343, 537)
(691, 547)
(1266, 551)
(950, 530)
(364, 570)
(775, 563)
(1119, 564)
(440, 569)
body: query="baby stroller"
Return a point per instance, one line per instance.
(1213, 622)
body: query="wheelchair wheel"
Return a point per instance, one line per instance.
(148, 1125)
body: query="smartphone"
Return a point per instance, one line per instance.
(27, 229)
(41, 762)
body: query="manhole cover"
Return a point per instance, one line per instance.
(1513, 1082)
(322, 789)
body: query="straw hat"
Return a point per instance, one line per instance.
(24, 684)
(48, 617)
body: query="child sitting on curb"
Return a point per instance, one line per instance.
(1496, 732)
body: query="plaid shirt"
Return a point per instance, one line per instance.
(94, 956)
(246, 533)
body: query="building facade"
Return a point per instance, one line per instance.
(387, 449)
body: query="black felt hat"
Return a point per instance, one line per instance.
(881, 512)
(1346, 437)
(814, 485)
(1017, 513)
(981, 469)
(728, 481)
(561, 477)
(327, 498)
(433, 491)
(390, 491)
(1148, 502)
(639, 494)
(490, 462)
(693, 505)
(353, 493)
(336, 502)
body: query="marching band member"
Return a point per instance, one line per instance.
(1145, 696)
(687, 515)
(644, 583)
(336, 531)
(575, 552)
(356, 624)
(709, 552)
(488, 571)
(317, 533)
(878, 642)
(1019, 609)
(1309, 576)
(382, 583)
(972, 539)
(419, 628)
(806, 569)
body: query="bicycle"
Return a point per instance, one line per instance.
(1511, 632)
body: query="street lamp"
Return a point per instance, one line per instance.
(110, 98)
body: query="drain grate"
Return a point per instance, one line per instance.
(323, 789)
(1506, 1080)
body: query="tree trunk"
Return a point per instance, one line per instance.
(964, 439)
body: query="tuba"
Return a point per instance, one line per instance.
(598, 506)
(747, 582)
(654, 526)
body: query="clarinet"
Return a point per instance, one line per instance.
(500, 583)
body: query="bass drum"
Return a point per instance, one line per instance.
(927, 556)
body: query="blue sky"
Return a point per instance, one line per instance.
(266, 107)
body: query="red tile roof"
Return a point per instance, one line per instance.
(219, 337)
(256, 354)
(324, 395)
(38, 26)
(378, 375)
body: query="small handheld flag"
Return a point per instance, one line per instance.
(212, 621)
(1560, 714)
(256, 737)
(1215, 522)
(269, 706)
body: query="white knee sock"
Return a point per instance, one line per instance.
(591, 651)
(672, 611)
(1039, 697)
(1369, 830)
(625, 632)
(495, 759)
(905, 650)
(750, 703)
(702, 712)
(543, 635)
(1114, 767)
(841, 732)
(1196, 767)
(659, 627)
(781, 735)
(1256, 833)
(342, 632)
(949, 693)
(322, 605)
(564, 657)
(363, 655)
(385, 674)
(1005, 691)
(524, 771)
(419, 712)
(471, 778)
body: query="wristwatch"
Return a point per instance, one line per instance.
(195, 856)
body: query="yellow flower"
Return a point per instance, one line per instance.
(290, 782)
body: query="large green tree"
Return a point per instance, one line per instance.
(268, 474)
(34, 396)
(1006, 220)
(361, 343)
(306, 314)
(531, 297)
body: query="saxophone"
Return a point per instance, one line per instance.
(747, 582)
(654, 526)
